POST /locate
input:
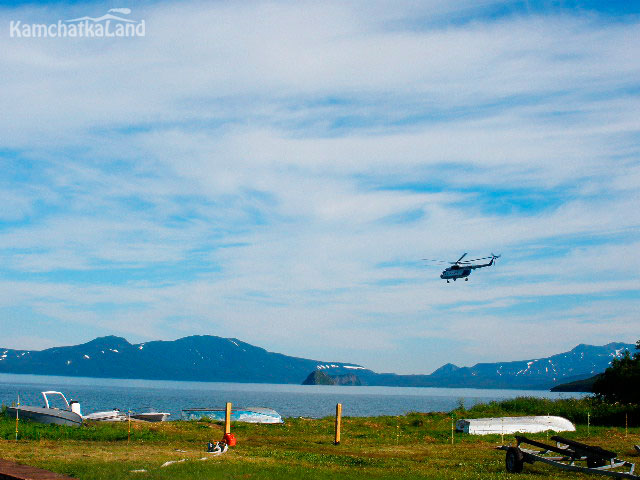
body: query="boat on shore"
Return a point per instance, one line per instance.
(240, 414)
(151, 415)
(114, 415)
(508, 425)
(59, 416)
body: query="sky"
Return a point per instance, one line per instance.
(275, 171)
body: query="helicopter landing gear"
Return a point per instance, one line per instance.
(447, 281)
(466, 279)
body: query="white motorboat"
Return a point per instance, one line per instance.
(47, 414)
(114, 415)
(508, 425)
(151, 415)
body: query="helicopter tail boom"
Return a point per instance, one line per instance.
(493, 257)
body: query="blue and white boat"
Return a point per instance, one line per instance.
(240, 414)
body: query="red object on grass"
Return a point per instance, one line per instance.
(229, 439)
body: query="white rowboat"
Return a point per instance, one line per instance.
(507, 425)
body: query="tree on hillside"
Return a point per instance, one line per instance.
(621, 381)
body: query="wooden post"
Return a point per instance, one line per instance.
(626, 424)
(588, 423)
(17, 415)
(547, 431)
(227, 418)
(338, 422)
(129, 434)
(451, 418)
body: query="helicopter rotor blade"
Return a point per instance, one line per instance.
(475, 259)
(458, 261)
(435, 261)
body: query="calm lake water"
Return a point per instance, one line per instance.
(95, 394)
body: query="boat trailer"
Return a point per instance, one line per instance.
(592, 459)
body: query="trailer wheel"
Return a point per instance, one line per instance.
(514, 460)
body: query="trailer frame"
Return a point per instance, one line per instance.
(598, 460)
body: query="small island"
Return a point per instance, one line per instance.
(318, 377)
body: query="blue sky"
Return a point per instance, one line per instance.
(276, 171)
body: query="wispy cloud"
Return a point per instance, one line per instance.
(275, 172)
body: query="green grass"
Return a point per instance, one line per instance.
(574, 409)
(416, 445)
(92, 432)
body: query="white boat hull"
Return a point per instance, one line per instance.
(151, 416)
(106, 416)
(508, 425)
(45, 415)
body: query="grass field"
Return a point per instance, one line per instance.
(411, 446)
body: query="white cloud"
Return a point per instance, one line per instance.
(263, 158)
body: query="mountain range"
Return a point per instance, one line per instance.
(215, 359)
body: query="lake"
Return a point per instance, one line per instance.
(95, 394)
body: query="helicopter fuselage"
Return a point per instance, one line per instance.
(462, 271)
(455, 272)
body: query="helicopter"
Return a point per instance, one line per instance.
(462, 269)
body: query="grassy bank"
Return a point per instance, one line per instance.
(578, 410)
(414, 445)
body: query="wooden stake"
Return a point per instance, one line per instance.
(547, 432)
(588, 423)
(338, 423)
(227, 418)
(626, 424)
(17, 415)
(451, 431)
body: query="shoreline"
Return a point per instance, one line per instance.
(417, 445)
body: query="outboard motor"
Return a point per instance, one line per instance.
(75, 407)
